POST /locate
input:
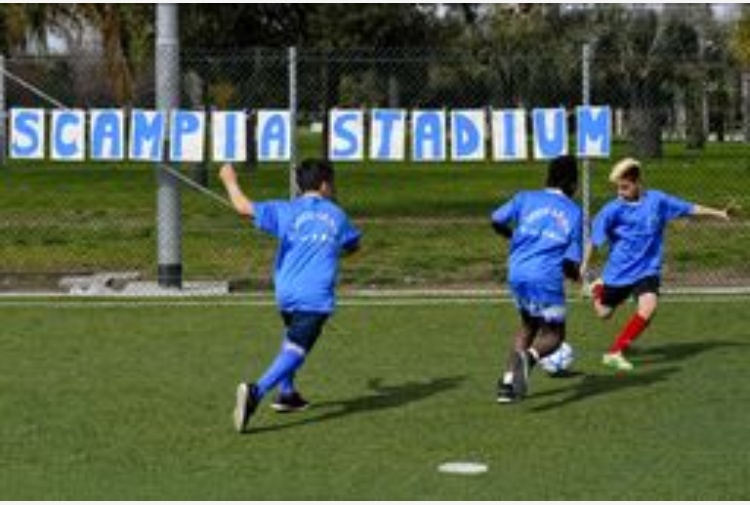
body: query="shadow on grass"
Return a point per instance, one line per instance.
(678, 351)
(597, 384)
(646, 373)
(380, 398)
(566, 374)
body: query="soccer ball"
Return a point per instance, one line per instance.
(559, 361)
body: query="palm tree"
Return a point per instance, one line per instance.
(740, 46)
(21, 24)
(127, 33)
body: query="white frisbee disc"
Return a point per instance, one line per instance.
(463, 467)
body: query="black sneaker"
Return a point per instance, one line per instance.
(505, 394)
(520, 373)
(247, 402)
(290, 402)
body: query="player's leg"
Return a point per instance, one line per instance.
(647, 292)
(521, 341)
(598, 292)
(246, 403)
(548, 340)
(550, 330)
(303, 330)
(606, 299)
(286, 385)
(248, 395)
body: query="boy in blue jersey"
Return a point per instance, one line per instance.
(544, 228)
(633, 226)
(313, 233)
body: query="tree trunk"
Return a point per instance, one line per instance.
(696, 132)
(680, 113)
(645, 121)
(645, 132)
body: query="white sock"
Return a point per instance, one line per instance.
(508, 378)
(534, 353)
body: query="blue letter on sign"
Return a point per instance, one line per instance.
(273, 135)
(509, 134)
(428, 130)
(107, 142)
(384, 145)
(347, 135)
(186, 126)
(594, 131)
(27, 133)
(67, 134)
(230, 136)
(550, 133)
(468, 135)
(147, 132)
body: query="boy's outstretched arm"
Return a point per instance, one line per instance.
(702, 210)
(242, 204)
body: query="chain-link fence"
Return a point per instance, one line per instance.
(426, 225)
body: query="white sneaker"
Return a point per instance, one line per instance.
(245, 404)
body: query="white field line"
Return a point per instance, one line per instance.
(83, 303)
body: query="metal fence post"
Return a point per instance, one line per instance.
(3, 114)
(293, 189)
(586, 185)
(168, 218)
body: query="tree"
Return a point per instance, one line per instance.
(127, 34)
(645, 47)
(206, 27)
(21, 24)
(374, 26)
(527, 63)
(740, 46)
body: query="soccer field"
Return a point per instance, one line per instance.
(124, 400)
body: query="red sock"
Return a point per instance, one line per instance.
(598, 290)
(632, 330)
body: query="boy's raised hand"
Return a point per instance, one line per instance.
(227, 175)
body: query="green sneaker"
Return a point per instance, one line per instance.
(617, 361)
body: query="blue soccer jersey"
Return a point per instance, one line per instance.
(547, 231)
(635, 233)
(312, 233)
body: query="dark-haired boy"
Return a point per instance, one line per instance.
(313, 234)
(544, 228)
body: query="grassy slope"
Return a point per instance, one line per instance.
(424, 224)
(134, 403)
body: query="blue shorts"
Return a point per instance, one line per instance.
(304, 328)
(539, 302)
(547, 312)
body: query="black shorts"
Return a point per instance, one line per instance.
(612, 296)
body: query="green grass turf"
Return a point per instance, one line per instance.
(133, 402)
(424, 224)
